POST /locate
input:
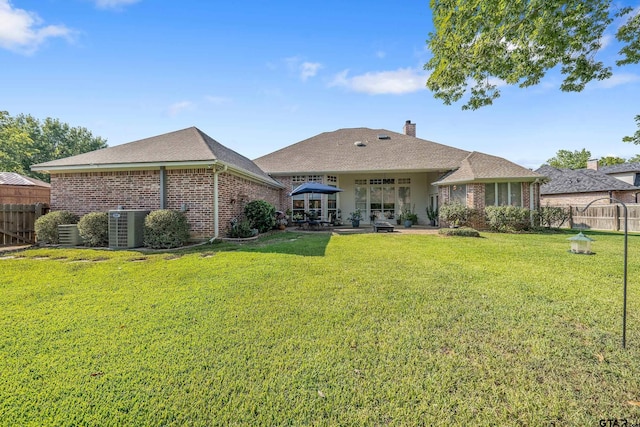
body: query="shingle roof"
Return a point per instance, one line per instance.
(564, 181)
(13, 178)
(338, 151)
(182, 146)
(621, 168)
(478, 167)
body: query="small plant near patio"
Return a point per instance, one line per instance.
(94, 229)
(408, 215)
(508, 219)
(46, 226)
(552, 216)
(456, 214)
(462, 232)
(165, 229)
(261, 215)
(241, 229)
(432, 214)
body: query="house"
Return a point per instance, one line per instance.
(567, 187)
(383, 172)
(627, 172)
(182, 170)
(380, 171)
(23, 190)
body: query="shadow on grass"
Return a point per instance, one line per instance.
(291, 243)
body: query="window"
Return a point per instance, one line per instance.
(404, 180)
(503, 194)
(458, 194)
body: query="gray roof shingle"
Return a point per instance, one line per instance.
(478, 167)
(182, 146)
(621, 168)
(338, 151)
(565, 181)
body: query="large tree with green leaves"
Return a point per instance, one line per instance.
(566, 159)
(483, 42)
(25, 140)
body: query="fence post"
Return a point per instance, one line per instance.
(570, 217)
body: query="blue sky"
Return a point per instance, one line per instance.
(260, 75)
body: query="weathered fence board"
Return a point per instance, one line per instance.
(17, 223)
(605, 217)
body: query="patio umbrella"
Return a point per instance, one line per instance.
(316, 188)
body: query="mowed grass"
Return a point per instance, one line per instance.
(312, 329)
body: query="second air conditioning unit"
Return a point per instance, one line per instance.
(126, 228)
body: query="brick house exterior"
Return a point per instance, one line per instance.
(22, 190)
(212, 187)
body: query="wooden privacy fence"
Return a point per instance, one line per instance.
(17, 223)
(605, 217)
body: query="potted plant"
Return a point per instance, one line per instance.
(408, 217)
(355, 218)
(432, 214)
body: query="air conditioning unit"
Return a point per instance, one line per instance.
(126, 228)
(68, 235)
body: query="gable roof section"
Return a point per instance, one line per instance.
(480, 167)
(186, 147)
(621, 168)
(565, 181)
(13, 178)
(338, 151)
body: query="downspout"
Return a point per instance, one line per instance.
(216, 204)
(163, 187)
(531, 203)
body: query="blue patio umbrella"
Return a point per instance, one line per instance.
(316, 188)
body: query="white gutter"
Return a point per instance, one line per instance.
(216, 204)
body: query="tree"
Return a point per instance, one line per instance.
(634, 159)
(566, 159)
(25, 140)
(518, 41)
(610, 161)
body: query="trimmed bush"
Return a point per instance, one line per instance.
(552, 216)
(462, 232)
(46, 226)
(94, 228)
(456, 214)
(508, 219)
(165, 229)
(261, 215)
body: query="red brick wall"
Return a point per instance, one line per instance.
(85, 192)
(582, 199)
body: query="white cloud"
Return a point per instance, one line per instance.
(617, 80)
(114, 4)
(22, 31)
(303, 69)
(179, 107)
(381, 54)
(309, 69)
(398, 82)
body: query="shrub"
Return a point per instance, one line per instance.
(456, 214)
(508, 219)
(165, 229)
(552, 216)
(46, 226)
(462, 232)
(261, 215)
(241, 229)
(94, 228)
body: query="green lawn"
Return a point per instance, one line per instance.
(312, 329)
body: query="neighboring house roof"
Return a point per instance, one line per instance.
(480, 167)
(621, 168)
(185, 147)
(361, 150)
(13, 178)
(565, 181)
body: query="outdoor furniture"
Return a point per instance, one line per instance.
(382, 226)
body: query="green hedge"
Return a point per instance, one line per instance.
(165, 229)
(261, 215)
(462, 232)
(46, 226)
(508, 219)
(94, 228)
(456, 214)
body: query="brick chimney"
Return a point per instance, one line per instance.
(592, 164)
(409, 128)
